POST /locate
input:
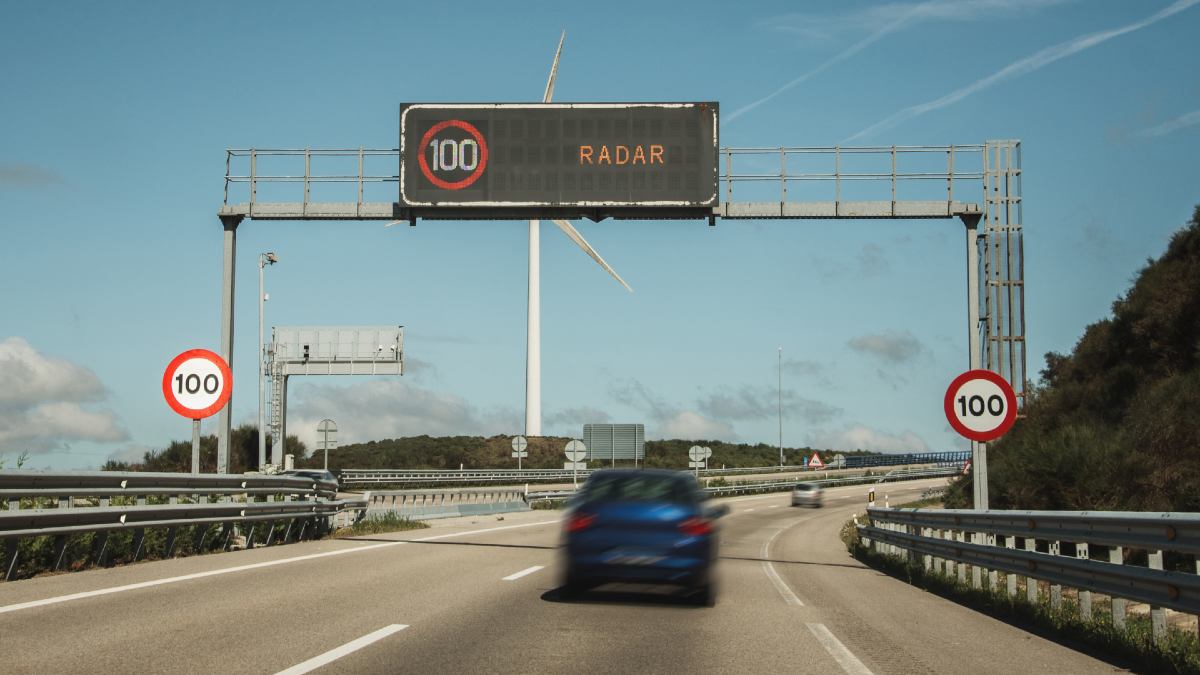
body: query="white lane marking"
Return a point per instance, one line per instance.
(242, 568)
(788, 596)
(749, 510)
(518, 575)
(338, 652)
(845, 658)
(775, 506)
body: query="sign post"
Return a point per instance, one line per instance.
(981, 406)
(197, 384)
(696, 455)
(326, 427)
(519, 443)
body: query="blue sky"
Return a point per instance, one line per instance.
(116, 118)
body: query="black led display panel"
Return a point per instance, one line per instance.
(497, 156)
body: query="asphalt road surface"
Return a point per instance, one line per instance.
(479, 595)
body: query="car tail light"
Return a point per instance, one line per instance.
(579, 521)
(696, 527)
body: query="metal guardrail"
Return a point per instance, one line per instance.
(369, 477)
(429, 504)
(61, 504)
(1057, 547)
(780, 486)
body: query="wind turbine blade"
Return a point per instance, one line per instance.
(554, 70)
(587, 248)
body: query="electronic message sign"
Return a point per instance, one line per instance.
(608, 159)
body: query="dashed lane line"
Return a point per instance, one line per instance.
(338, 652)
(845, 658)
(528, 570)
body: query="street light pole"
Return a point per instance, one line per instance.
(780, 406)
(264, 259)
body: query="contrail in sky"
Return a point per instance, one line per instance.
(850, 51)
(1172, 125)
(1024, 66)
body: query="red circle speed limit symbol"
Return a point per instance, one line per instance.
(981, 405)
(443, 154)
(197, 383)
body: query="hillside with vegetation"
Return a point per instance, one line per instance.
(1115, 424)
(449, 452)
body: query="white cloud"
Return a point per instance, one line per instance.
(860, 437)
(893, 347)
(757, 403)
(689, 425)
(571, 420)
(28, 377)
(1024, 66)
(669, 421)
(40, 402)
(389, 408)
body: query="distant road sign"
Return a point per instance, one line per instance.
(519, 443)
(696, 453)
(815, 462)
(574, 466)
(576, 451)
(980, 405)
(707, 452)
(197, 383)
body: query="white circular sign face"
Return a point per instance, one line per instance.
(576, 451)
(696, 453)
(707, 452)
(519, 443)
(980, 405)
(197, 383)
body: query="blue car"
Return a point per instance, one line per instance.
(641, 526)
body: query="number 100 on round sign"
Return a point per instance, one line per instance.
(197, 383)
(981, 405)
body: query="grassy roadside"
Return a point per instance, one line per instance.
(1179, 652)
(378, 524)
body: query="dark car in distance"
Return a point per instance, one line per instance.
(641, 526)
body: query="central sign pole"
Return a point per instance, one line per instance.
(978, 449)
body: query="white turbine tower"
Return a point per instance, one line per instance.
(533, 341)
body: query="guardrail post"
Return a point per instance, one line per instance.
(99, 548)
(139, 540)
(1116, 556)
(60, 551)
(926, 559)
(1085, 597)
(1055, 589)
(962, 567)
(1158, 615)
(270, 535)
(1031, 584)
(250, 536)
(992, 578)
(976, 570)
(169, 549)
(948, 535)
(198, 541)
(1010, 578)
(10, 557)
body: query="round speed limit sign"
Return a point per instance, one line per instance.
(197, 383)
(981, 405)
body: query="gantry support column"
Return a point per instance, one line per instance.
(978, 450)
(229, 260)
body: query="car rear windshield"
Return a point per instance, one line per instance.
(805, 487)
(638, 488)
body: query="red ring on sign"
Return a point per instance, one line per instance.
(1010, 400)
(483, 155)
(226, 378)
